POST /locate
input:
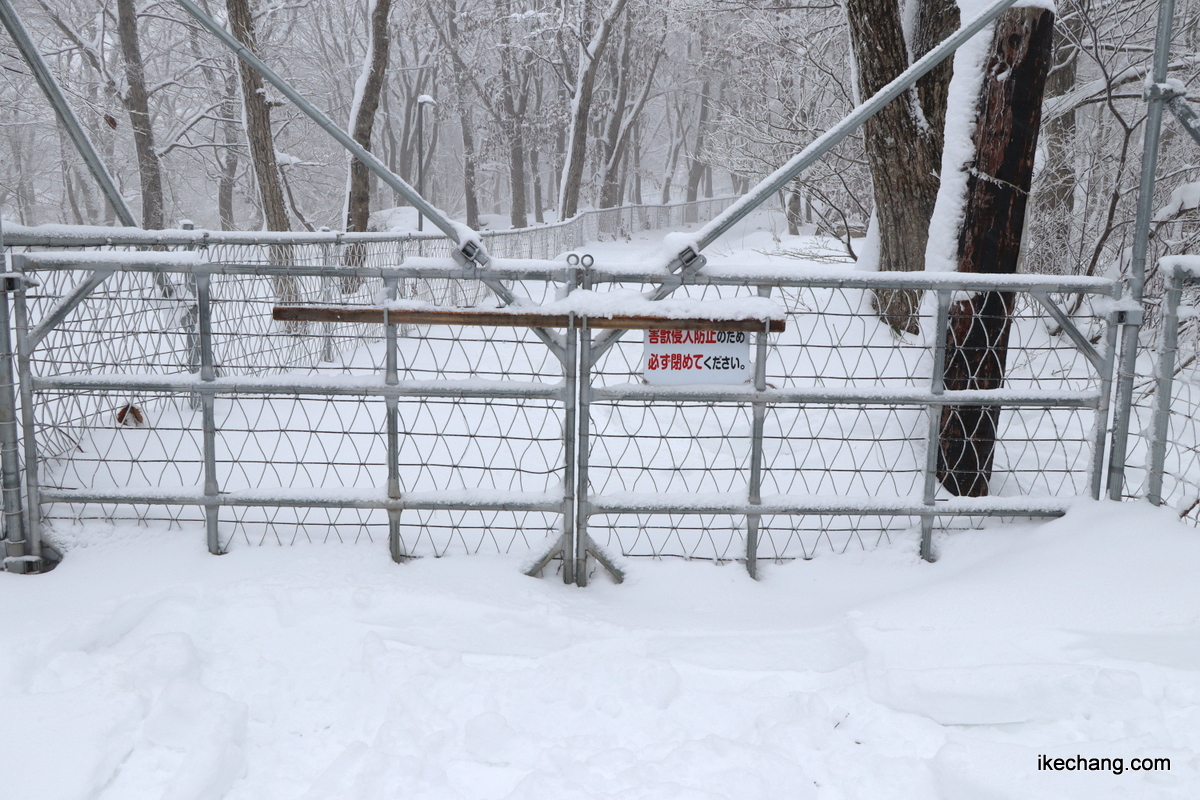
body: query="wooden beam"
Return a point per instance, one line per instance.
(500, 319)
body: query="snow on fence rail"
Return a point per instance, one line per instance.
(455, 437)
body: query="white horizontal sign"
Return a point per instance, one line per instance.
(672, 358)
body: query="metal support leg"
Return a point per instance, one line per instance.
(1104, 405)
(10, 462)
(391, 378)
(583, 445)
(1164, 378)
(327, 282)
(565, 546)
(208, 412)
(33, 513)
(1137, 262)
(584, 545)
(756, 444)
(937, 387)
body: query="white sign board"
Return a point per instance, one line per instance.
(673, 358)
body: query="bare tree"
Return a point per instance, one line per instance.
(362, 117)
(904, 140)
(138, 104)
(258, 122)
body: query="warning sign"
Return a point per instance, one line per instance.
(673, 358)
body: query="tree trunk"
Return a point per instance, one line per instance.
(904, 140)
(581, 109)
(1010, 111)
(470, 189)
(138, 103)
(229, 154)
(262, 156)
(362, 122)
(258, 122)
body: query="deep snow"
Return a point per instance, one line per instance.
(145, 668)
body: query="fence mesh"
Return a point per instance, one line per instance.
(146, 324)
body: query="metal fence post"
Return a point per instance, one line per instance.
(1141, 245)
(1104, 404)
(570, 444)
(392, 378)
(10, 462)
(33, 509)
(937, 387)
(327, 297)
(208, 412)
(756, 442)
(582, 446)
(1164, 379)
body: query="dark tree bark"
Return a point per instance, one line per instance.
(904, 140)
(137, 101)
(1010, 111)
(358, 200)
(258, 122)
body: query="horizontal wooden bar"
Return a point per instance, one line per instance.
(498, 319)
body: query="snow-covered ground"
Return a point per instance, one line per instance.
(142, 667)
(145, 668)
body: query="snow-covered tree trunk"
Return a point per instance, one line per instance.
(581, 110)
(138, 104)
(258, 122)
(998, 182)
(367, 91)
(904, 140)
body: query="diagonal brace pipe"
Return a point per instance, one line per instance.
(1069, 327)
(834, 136)
(66, 115)
(470, 248)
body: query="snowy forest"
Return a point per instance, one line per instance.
(531, 110)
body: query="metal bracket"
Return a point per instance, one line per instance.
(1160, 91)
(471, 254)
(15, 281)
(1130, 316)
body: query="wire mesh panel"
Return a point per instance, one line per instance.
(858, 430)
(454, 438)
(1163, 461)
(275, 447)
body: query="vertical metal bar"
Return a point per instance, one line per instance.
(570, 434)
(756, 442)
(66, 115)
(583, 445)
(937, 387)
(1164, 378)
(392, 377)
(208, 405)
(33, 512)
(1141, 244)
(327, 297)
(1104, 405)
(10, 461)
